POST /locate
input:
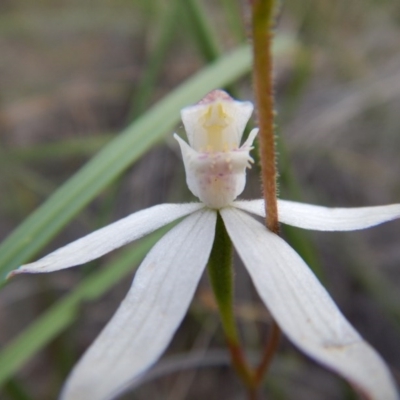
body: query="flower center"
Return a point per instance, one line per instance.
(217, 134)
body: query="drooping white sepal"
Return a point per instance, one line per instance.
(148, 317)
(309, 216)
(304, 310)
(110, 237)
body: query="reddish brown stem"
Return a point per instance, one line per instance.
(241, 366)
(262, 11)
(269, 351)
(262, 15)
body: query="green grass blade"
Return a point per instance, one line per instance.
(127, 147)
(201, 29)
(234, 19)
(46, 327)
(15, 391)
(63, 149)
(156, 59)
(204, 36)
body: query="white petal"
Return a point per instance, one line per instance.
(109, 238)
(146, 320)
(303, 308)
(308, 216)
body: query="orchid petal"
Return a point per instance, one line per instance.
(303, 308)
(146, 320)
(109, 238)
(308, 216)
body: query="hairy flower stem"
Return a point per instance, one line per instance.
(262, 17)
(220, 273)
(262, 12)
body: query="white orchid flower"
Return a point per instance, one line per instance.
(166, 280)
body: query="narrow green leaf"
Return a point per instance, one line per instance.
(234, 14)
(199, 25)
(80, 146)
(202, 30)
(16, 391)
(156, 59)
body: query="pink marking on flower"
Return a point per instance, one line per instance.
(214, 96)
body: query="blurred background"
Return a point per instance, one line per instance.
(73, 74)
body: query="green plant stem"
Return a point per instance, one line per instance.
(262, 12)
(220, 273)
